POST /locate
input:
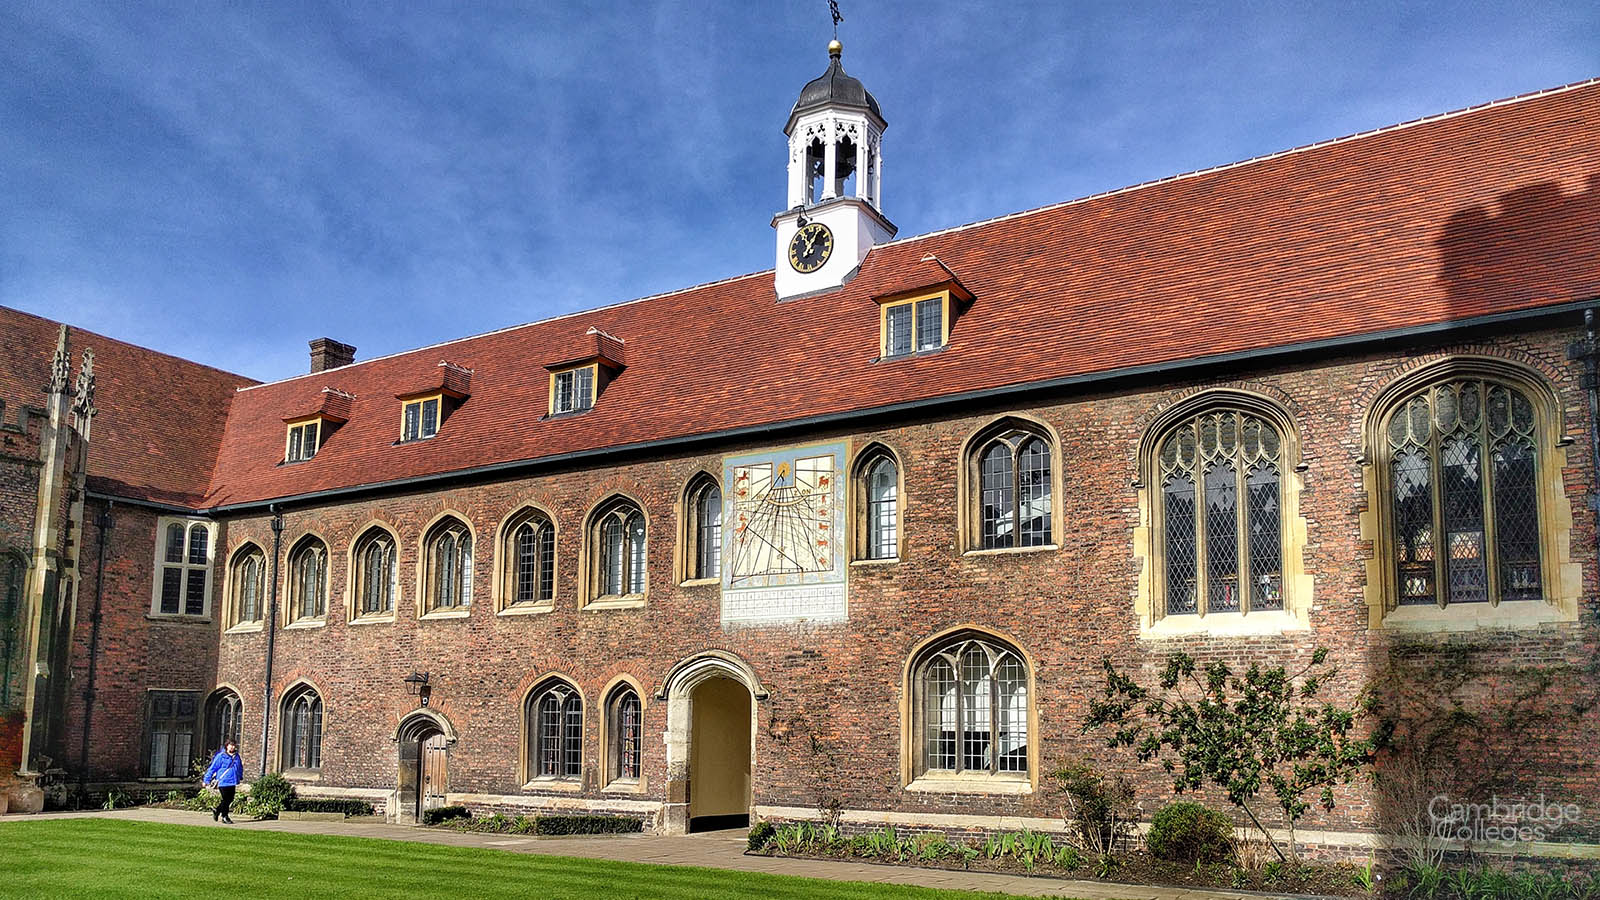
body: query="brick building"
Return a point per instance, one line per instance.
(861, 529)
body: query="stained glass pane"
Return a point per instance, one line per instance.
(1461, 487)
(1411, 479)
(882, 514)
(1011, 686)
(1181, 550)
(1516, 513)
(1033, 487)
(1222, 537)
(998, 502)
(939, 715)
(1265, 538)
(977, 695)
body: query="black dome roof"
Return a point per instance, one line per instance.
(835, 88)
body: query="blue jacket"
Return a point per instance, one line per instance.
(226, 770)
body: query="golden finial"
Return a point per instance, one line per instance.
(835, 48)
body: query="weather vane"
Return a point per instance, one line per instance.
(833, 8)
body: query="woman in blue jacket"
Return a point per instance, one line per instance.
(226, 771)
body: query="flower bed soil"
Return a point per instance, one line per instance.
(1139, 867)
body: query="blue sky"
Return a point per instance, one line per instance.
(228, 181)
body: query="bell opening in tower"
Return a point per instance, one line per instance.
(845, 168)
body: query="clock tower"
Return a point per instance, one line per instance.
(835, 184)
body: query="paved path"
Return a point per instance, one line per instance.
(715, 850)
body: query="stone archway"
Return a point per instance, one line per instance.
(711, 723)
(422, 778)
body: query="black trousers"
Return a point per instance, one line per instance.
(227, 801)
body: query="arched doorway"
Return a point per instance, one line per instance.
(711, 714)
(422, 778)
(719, 755)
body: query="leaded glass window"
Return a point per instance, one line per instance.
(302, 730)
(1014, 491)
(627, 725)
(1463, 499)
(171, 720)
(619, 532)
(555, 717)
(572, 390)
(973, 709)
(308, 580)
(882, 488)
(450, 566)
(705, 533)
(533, 561)
(184, 569)
(377, 574)
(222, 720)
(1220, 508)
(249, 581)
(913, 326)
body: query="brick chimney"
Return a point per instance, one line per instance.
(327, 353)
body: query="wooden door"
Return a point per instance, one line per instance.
(434, 782)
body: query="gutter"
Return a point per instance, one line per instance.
(104, 524)
(1130, 373)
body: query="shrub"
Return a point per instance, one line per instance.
(444, 814)
(1100, 806)
(587, 825)
(267, 796)
(1189, 832)
(760, 836)
(328, 804)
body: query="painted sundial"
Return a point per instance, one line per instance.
(783, 525)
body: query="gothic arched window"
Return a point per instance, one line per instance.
(530, 560)
(302, 729)
(617, 536)
(1011, 487)
(703, 536)
(247, 585)
(223, 710)
(626, 726)
(1220, 514)
(308, 580)
(971, 713)
(377, 573)
(1461, 460)
(448, 560)
(877, 490)
(554, 716)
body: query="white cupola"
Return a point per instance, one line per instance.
(835, 184)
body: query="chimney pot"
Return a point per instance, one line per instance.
(327, 353)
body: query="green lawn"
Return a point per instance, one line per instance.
(117, 858)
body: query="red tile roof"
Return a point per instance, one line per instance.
(160, 418)
(1488, 210)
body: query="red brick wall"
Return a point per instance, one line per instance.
(1067, 608)
(136, 652)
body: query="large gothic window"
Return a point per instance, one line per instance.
(183, 568)
(1220, 511)
(972, 708)
(1462, 464)
(377, 573)
(247, 585)
(530, 560)
(448, 558)
(171, 717)
(302, 729)
(1011, 485)
(617, 550)
(554, 716)
(12, 570)
(308, 580)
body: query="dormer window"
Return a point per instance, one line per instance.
(303, 441)
(421, 419)
(572, 390)
(916, 325)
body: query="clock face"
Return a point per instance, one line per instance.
(810, 247)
